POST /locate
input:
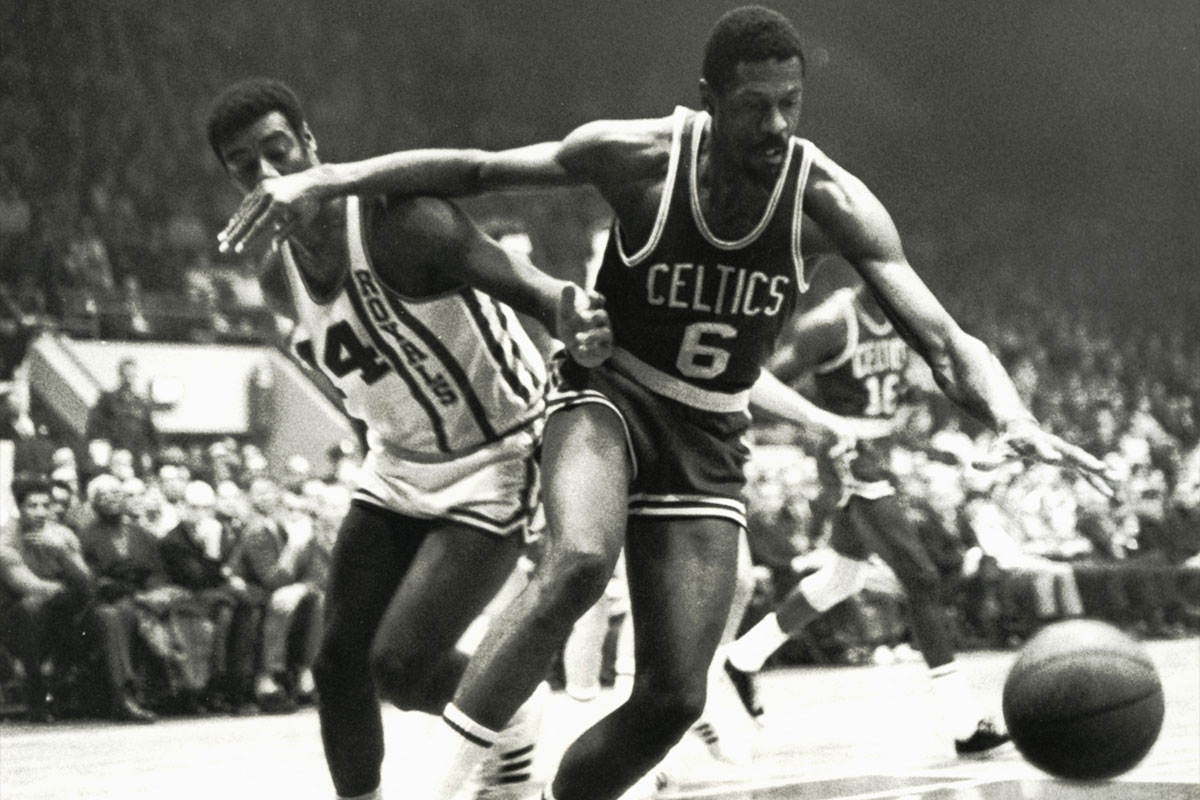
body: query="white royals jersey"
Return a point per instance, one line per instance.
(432, 378)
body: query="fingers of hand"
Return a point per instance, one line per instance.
(592, 347)
(234, 234)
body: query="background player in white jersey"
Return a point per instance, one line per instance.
(703, 266)
(388, 298)
(860, 368)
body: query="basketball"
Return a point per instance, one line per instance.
(1083, 701)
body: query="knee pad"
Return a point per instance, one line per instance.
(834, 582)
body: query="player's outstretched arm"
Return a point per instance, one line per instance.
(963, 366)
(604, 153)
(434, 234)
(277, 203)
(817, 427)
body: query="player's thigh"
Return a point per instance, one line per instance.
(585, 482)
(454, 575)
(884, 528)
(682, 574)
(374, 550)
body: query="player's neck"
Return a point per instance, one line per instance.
(318, 247)
(732, 201)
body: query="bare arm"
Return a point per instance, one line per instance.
(963, 367)
(434, 234)
(864, 232)
(606, 153)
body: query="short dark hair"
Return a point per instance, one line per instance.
(241, 103)
(26, 484)
(749, 33)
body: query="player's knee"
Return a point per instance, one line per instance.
(842, 577)
(674, 706)
(572, 582)
(400, 676)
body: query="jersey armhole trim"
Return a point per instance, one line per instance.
(806, 159)
(664, 203)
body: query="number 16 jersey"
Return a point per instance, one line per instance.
(432, 378)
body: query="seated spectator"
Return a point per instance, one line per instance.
(1033, 589)
(272, 559)
(44, 589)
(197, 554)
(131, 577)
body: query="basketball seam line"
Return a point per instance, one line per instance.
(1091, 712)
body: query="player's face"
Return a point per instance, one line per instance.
(267, 148)
(755, 117)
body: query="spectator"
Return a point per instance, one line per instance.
(197, 553)
(272, 559)
(123, 417)
(44, 589)
(124, 561)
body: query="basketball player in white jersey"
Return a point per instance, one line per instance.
(404, 305)
(704, 264)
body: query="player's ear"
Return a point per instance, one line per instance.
(707, 96)
(310, 141)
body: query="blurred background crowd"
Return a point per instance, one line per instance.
(1044, 172)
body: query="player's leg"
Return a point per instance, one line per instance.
(732, 708)
(373, 551)
(885, 529)
(842, 576)
(450, 581)
(682, 574)
(585, 468)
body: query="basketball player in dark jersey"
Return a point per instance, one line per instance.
(387, 297)
(704, 264)
(860, 369)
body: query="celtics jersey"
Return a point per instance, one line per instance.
(432, 377)
(867, 379)
(694, 316)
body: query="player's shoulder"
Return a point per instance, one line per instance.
(414, 224)
(415, 240)
(625, 149)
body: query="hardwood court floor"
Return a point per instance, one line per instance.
(850, 733)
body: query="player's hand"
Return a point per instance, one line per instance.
(583, 326)
(1028, 441)
(273, 209)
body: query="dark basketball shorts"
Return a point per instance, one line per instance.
(686, 462)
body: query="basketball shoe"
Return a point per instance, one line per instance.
(506, 772)
(986, 738)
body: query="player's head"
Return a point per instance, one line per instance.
(257, 129)
(752, 83)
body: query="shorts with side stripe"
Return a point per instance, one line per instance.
(686, 462)
(493, 489)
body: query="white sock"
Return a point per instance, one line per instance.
(756, 645)
(374, 794)
(955, 701)
(455, 749)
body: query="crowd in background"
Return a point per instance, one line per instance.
(191, 581)
(109, 206)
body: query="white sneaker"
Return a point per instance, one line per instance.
(506, 772)
(725, 727)
(883, 656)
